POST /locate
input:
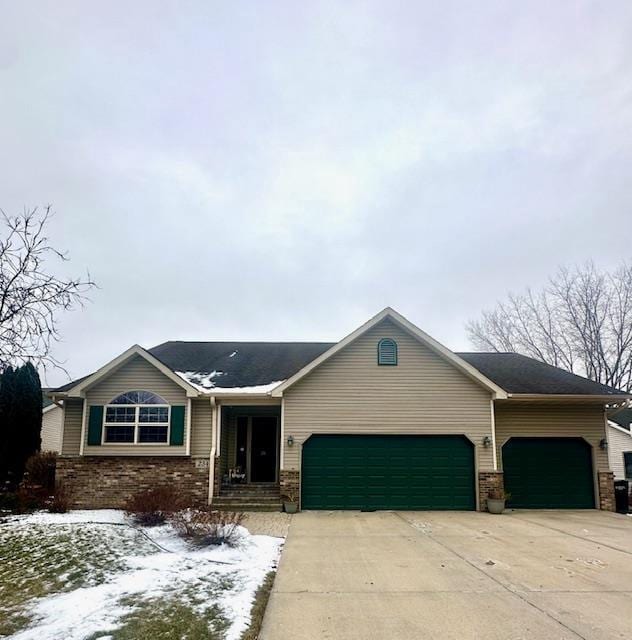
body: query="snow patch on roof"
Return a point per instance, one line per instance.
(204, 382)
(201, 380)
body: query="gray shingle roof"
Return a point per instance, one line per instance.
(249, 364)
(240, 364)
(516, 373)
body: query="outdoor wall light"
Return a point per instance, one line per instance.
(487, 441)
(603, 444)
(290, 441)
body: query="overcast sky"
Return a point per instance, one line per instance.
(284, 170)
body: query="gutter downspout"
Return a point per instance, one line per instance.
(211, 462)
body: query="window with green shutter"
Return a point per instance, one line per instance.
(135, 418)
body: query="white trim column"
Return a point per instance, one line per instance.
(211, 460)
(218, 422)
(282, 436)
(494, 451)
(84, 415)
(188, 426)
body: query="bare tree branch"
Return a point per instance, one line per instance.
(31, 297)
(581, 321)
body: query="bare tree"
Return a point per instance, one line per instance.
(580, 321)
(31, 297)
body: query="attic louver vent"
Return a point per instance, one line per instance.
(387, 352)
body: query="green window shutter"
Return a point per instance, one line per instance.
(95, 425)
(177, 426)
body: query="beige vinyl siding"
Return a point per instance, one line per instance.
(135, 374)
(51, 429)
(619, 441)
(71, 434)
(201, 427)
(527, 419)
(350, 393)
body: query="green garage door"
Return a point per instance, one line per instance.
(549, 473)
(388, 472)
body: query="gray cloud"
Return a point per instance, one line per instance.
(235, 171)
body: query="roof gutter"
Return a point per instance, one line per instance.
(574, 397)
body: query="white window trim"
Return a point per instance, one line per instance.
(136, 424)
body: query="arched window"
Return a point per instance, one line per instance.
(137, 417)
(138, 397)
(387, 352)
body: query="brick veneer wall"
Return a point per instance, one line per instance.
(290, 482)
(96, 482)
(606, 490)
(488, 480)
(217, 476)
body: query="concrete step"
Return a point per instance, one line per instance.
(238, 499)
(247, 494)
(247, 506)
(250, 494)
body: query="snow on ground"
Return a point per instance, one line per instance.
(213, 579)
(114, 516)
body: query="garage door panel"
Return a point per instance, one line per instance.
(549, 473)
(388, 472)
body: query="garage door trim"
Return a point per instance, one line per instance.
(377, 471)
(562, 478)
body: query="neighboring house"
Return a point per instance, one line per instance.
(622, 417)
(387, 418)
(52, 417)
(620, 450)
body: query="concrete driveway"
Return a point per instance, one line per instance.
(393, 576)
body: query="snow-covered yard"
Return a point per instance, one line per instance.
(87, 575)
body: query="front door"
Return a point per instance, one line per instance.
(263, 449)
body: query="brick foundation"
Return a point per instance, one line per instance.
(217, 477)
(290, 482)
(488, 480)
(98, 483)
(606, 490)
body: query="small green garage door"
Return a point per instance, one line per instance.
(387, 472)
(549, 473)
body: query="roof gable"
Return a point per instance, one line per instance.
(416, 332)
(79, 387)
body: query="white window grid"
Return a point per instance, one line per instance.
(136, 424)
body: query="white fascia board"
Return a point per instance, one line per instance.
(135, 350)
(497, 392)
(567, 397)
(50, 407)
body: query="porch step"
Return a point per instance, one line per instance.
(254, 505)
(247, 499)
(250, 494)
